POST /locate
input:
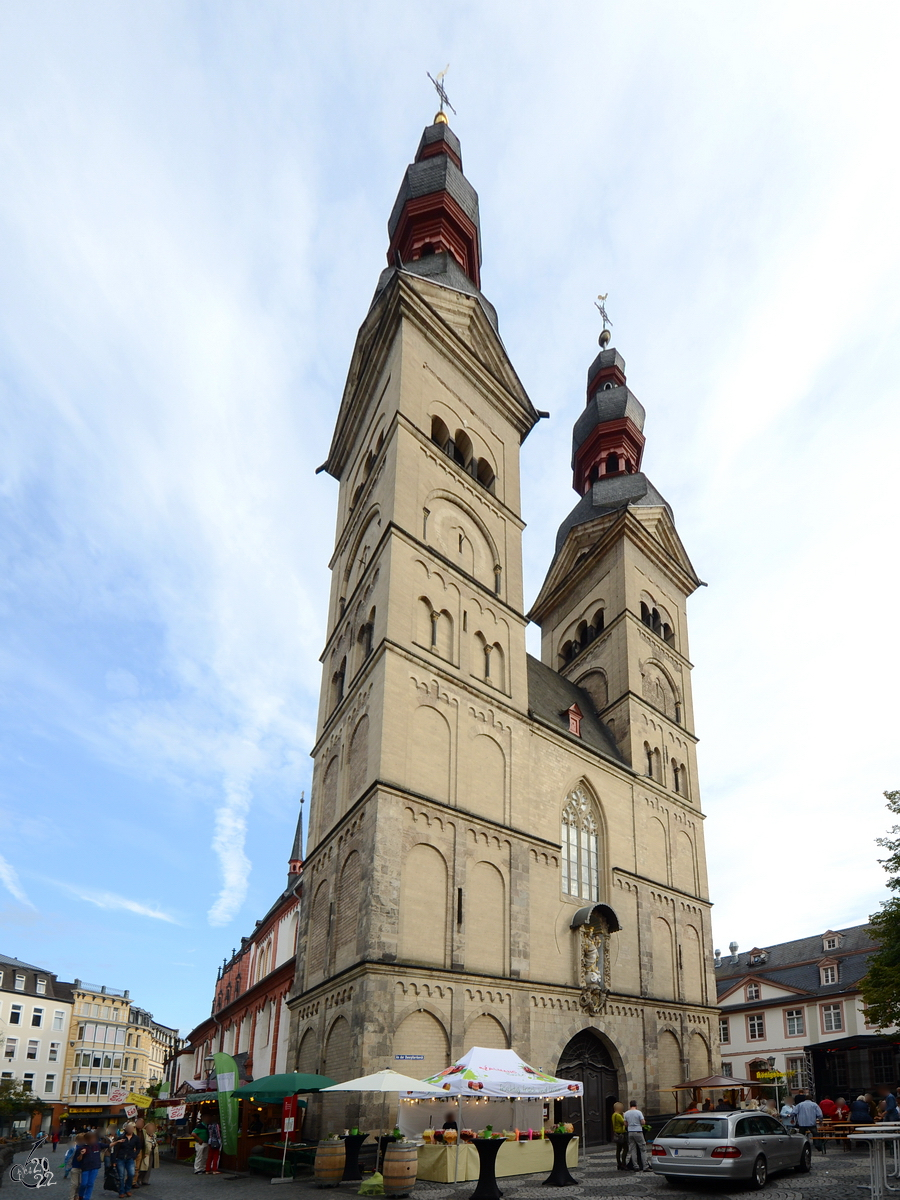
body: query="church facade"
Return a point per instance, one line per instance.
(501, 851)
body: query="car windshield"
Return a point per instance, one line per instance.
(696, 1127)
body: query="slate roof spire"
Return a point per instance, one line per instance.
(436, 210)
(295, 862)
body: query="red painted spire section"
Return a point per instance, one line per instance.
(436, 211)
(608, 438)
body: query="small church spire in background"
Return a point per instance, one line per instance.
(440, 116)
(605, 335)
(295, 863)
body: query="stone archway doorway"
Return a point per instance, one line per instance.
(587, 1059)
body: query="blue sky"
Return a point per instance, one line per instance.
(192, 223)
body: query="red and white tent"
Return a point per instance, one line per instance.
(502, 1075)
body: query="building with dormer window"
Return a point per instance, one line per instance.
(503, 850)
(796, 1009)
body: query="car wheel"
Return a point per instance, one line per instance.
(805, 1162)
(760, 1174)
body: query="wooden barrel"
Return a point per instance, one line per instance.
(329, 1164)
(401, 1166)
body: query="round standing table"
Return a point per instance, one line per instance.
(559, 1176)
(352, 1142)
(486, 1188)
(878, 1173)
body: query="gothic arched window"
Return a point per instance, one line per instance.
(580, 848)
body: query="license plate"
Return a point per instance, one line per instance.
(688, 1153)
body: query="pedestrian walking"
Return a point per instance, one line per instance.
(215, 1148)
(620, 1135)
(200, 1134)
(125, 1150)
(54, 1138)
(88, 1158)
(148, 1159)
(637, 1146)
(808, 1116)
(71, 1172)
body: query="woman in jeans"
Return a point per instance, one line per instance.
(125, 1150)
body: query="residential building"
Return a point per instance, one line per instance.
(100, 1057)
(249, 1017)
(165, 1044)
(502, 851)
(796, 1009)
(35, 1019)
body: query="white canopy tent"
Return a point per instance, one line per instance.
(483, 1075)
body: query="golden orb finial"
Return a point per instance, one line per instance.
(441, 118)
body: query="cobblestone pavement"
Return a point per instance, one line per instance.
(836, 1176)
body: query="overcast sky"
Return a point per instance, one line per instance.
(192, 223)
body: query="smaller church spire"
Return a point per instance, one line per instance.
(295, 863)
(608, 437)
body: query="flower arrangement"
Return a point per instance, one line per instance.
(564, 1127)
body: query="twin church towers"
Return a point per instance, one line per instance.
(501, 851)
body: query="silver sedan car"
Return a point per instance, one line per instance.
(729, 1146)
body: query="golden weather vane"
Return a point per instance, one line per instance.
(442, 94)
(605, 335)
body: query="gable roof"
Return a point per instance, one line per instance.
(550, 696)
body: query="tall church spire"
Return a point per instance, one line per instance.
(436, 210)
(295, 862)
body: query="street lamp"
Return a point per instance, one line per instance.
(771, 1061)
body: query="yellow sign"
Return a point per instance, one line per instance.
(140, 1101)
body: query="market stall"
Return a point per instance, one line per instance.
(492, 1090)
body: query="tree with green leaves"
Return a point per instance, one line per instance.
(881, 986)
(16, 1097)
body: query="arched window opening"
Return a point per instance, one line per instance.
(356, 496)
(676, 776)
(656, 622)
(629, 467)
(462, 448)
(612, 464)
(337, 684)
(599, 621)
(380, 442)
(582, 635)
(667, 634)
(440, 435)
(580, 848)
(498, 673)
(427, 250)
(498, 576)
(677, 713)
(649, 760)
(565, 654)
(645, 614)
(370, 460)
(608, 386)
(485, 474)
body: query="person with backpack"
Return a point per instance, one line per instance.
(70, 1171)
(215, 1149)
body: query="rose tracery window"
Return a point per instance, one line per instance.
(580, 849)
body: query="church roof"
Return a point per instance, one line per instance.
(444, 270)
(607, 495)
(551, 695)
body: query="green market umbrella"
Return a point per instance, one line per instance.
(271, 1089)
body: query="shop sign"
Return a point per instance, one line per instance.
(176, 1112)
(131, 1110)
(409, 1057)
(140, 1101)
(288, 1114)
(118, 1096)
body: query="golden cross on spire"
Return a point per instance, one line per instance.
(600, 305)
(442, 94)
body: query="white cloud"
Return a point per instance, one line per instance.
(109, 900)
(10, 880)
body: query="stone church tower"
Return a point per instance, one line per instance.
(501, 851)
